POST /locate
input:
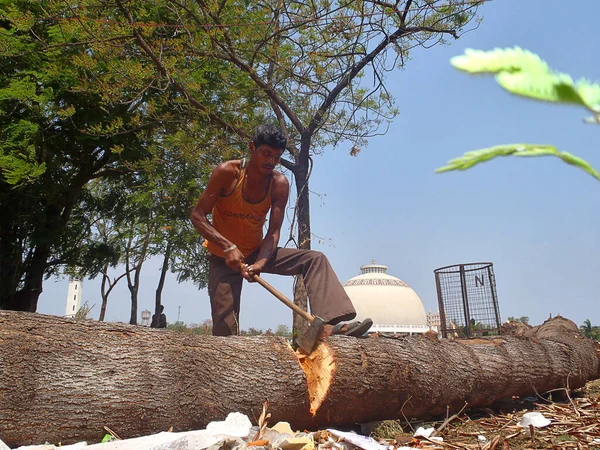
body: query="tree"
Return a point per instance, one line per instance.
(71, 112)
(79, 105)
(283, 330)
(522, 319)
(110, 261)
(304, 63)
(136, 251)
(202, 329)
(83, 311)
(178, 326)
(173, 178)
(523, 73)
(590, 331)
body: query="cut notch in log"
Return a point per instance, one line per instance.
(319, 368)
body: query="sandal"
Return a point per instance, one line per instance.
(355, 329)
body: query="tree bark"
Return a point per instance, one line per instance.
(63, 380)
(301, 178)
(104, 292)
(299, 323)
(161, 281)
(134, 285)
(26, 299)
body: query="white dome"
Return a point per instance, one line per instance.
(388, 301)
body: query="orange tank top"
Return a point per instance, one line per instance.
(238, 220)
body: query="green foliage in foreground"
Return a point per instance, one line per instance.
(523, 73)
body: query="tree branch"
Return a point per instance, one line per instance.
(178, 86)
(266, 87)
(350, 75)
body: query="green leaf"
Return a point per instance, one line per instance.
(472, 158)
(18, 170)
(524, 73)
(578, 162)
(541, 86)
(536, 151)
(499, 60)
(20, 20)
(20, 89)
(590, 94)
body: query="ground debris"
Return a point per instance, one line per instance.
(574, 424)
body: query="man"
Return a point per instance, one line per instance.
(159, 321)
(239, 194)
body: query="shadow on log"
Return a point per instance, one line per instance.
(63, 381)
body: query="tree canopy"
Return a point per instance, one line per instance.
(78, 105)
(133, 94)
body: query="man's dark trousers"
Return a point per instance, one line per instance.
(327, 297)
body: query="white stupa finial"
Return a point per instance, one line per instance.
(373, 268)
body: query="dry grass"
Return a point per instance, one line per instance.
(575, 425)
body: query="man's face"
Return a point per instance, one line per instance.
(265, 157)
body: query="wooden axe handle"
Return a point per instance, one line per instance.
(283, 298)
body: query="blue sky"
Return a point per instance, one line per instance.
(535, 219)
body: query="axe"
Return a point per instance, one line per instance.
(309, 340)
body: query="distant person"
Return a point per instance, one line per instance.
(159, 321)
(239, 194)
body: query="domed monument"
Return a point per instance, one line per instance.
(392, 305)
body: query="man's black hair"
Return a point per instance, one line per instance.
(271, 135)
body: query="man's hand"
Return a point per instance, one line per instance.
(248, 271)
(234, 259)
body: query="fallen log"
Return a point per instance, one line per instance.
(63, 380)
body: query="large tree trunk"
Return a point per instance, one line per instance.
(21, 277)
(63, 380)
(161, 281)
(301, 178)
(26, 299)
(103, 291)
(10, 252)
(299, 323)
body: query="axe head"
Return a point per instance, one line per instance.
(309, 340)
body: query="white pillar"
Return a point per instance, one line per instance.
(74, 295)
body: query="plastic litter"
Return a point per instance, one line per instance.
(283, 428)
(198, 439)
(364, 442)
(76, 446)
(424, 432)
(536, 419)
(272, 435)
(235, 424)
(301, 443)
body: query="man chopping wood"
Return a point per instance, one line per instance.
(239, 194)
